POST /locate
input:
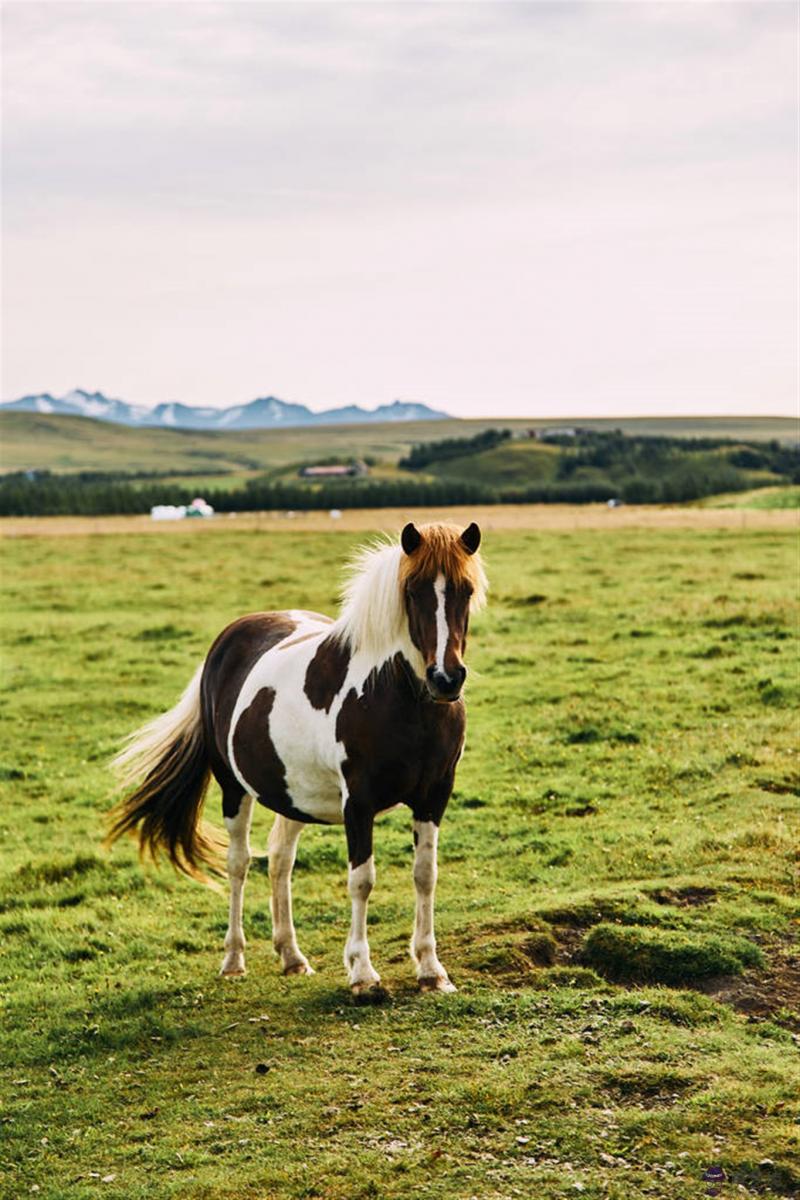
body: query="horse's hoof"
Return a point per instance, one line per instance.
(299, 968)
(232, 965)
(436, 983)
(369, 993)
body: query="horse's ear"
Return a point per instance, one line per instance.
(471, 538)
(410, 538)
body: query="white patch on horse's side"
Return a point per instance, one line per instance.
(311, 762)
(442, 629)
(360, 971)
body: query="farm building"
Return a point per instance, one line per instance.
(334, 471)
(549, 434)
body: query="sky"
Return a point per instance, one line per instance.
(537, 209)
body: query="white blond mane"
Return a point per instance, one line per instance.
(372, 619)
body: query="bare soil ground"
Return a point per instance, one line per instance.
(491, 517)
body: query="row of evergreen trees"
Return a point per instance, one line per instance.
(425, 453)
(44, 494)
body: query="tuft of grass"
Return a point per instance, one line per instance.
(641, 953)
(59, 870)
(163, 633)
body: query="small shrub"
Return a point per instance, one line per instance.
(162, 633)
(584, 736)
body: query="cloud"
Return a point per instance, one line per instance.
(565, 204)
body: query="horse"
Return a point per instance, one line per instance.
(323, 721)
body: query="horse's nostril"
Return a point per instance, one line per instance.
(444, 684)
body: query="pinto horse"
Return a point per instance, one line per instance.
(322, 721)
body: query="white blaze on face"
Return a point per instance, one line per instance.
(442, 632)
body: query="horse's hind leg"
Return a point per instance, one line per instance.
(282, 848)
(238, 827)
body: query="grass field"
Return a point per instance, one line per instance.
(38, 441)
(618, 898)
(764, 498)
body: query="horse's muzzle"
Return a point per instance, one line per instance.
(443, 687)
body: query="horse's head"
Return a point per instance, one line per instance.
(442, 581)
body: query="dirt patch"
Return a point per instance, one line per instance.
(773, 991)
(511, 956)
(647, 1085)
(569, 939)
(780, 787)
(686, 897)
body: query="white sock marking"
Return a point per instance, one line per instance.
(423, 942)
(360, 883)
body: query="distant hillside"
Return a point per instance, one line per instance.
(30, 441)
(267, 412)
(249, 472)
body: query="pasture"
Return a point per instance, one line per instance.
(617, 898)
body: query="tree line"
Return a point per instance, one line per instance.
(591, 467)
(425, 453)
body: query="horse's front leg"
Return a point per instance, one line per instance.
(238, 863)
(431, 975)
(358, 821)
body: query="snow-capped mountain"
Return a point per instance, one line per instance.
(267, 412)
(78, 403)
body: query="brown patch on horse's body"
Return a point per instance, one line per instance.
(230, 660)
(400, 747)
(326, 673)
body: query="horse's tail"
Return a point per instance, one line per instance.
(166, 764)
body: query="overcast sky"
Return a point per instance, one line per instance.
(495, 208)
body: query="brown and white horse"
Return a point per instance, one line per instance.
(322, 721)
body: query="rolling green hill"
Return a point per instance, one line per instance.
(515, 463)
(34, 441)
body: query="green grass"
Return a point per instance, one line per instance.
(516, 463)
(626, 810)
(768, 497)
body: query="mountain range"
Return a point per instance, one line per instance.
(267, 412)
